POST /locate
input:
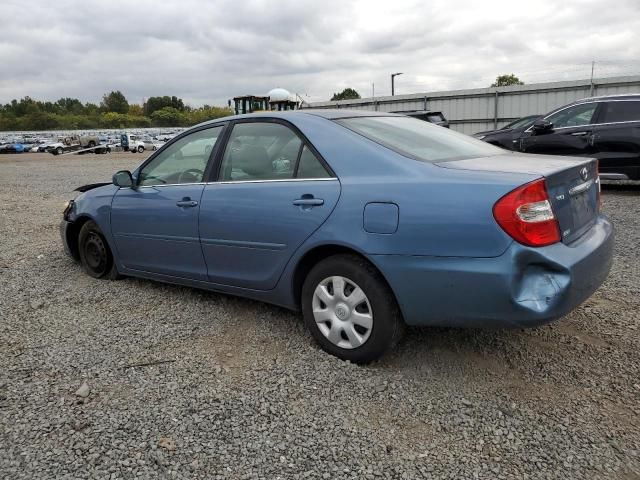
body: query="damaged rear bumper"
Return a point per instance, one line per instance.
(524, 287)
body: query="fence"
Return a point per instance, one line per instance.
(471, 111)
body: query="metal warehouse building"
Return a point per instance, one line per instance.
(471, 111)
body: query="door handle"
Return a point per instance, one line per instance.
(308, 202)
(580, 134)
(186, 203)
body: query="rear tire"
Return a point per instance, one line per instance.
(350, 310)
(140, 149)
(59, 151)
(95, 255)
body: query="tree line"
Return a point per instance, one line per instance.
(114, 111)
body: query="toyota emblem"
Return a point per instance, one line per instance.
(584, 173)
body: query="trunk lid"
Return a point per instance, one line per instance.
(572, 185)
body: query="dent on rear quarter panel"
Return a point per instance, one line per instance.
(538, 281)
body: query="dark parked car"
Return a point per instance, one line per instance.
(428, 116)
(508, 136)
(365, 221)
(606, 128)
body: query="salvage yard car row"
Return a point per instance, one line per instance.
(58, 143)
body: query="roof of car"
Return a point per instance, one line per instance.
(333, 113)
(330, 114)
(622, 96)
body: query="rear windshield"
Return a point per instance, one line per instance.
(418, 139)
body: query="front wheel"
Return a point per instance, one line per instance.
(350, 310)
(140, 149)
(95, 256)
(59, 151)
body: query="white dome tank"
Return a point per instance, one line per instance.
(279, 95)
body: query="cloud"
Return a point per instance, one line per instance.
(209, 51)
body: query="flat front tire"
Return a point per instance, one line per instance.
(350, 310)
(95, 255)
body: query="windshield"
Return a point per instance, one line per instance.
(419, 140)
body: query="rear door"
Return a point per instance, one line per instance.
(273, 191)
(617, 138)
(572, 133)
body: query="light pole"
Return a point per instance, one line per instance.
(393, 75)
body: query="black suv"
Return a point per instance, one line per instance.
(508, 136)
(606, 128)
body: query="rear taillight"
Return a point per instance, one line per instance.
(526, 215)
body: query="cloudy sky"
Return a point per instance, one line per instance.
(207, 51)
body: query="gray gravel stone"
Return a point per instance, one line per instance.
(83, 391)
(247, 394)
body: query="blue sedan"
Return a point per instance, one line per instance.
(365, 221)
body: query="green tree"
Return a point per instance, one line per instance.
(113, 120)
(135, 110)
(115, 102)
(71, 114)
(346, 94)
(168, 117)
(506, 80)
(39, 121)
(157, 103)
(69, 105)
(202, 114)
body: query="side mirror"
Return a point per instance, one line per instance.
(542, 126)
(123, 179)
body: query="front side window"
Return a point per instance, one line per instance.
(620, 111)
(184, 161)
(260, 151)
(523, 122)
(575, 116)
(418, 139)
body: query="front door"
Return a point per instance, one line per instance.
(572, 133)
(273, 193)
(155, 224)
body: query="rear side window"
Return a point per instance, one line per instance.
(310, 166)
(418, 139)
(268, 151)
(620, 111)
(260, 151)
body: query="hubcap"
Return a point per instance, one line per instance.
(342, 312)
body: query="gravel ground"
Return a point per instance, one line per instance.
(245, 393)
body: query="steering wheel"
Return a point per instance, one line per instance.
(194, 172)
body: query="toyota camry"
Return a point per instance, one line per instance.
(364, 221)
